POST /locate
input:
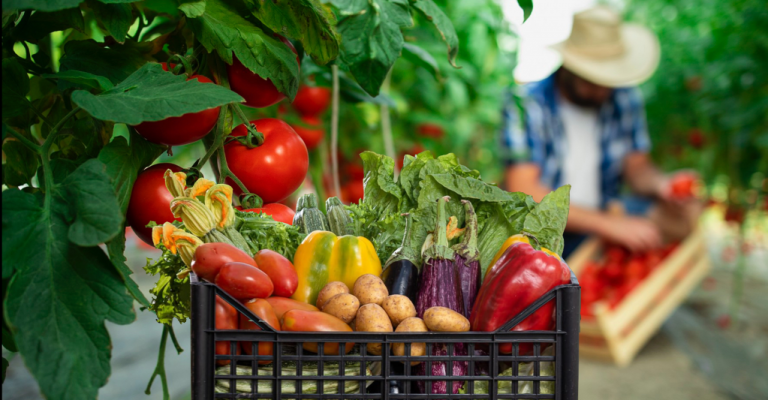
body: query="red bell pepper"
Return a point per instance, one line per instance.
(515, 281)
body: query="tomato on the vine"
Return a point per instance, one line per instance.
(312, 135)
(430, 130)
(257, 91)
(278, 212)
(184, 129)
(150, 201)
(274, 169)
(312, 101)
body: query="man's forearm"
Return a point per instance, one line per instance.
(642, 176)
(586, 220)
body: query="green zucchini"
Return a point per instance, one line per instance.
(338, 216)
(308, 217)
(289, 386)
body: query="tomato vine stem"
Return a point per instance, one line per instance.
(386, 123)
(45, 150)
(335, 131)
(160, 366)
(32, 145)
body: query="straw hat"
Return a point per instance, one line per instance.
(603, 50)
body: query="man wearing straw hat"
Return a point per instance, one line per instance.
(585, 125)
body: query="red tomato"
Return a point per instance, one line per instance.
(354, 171)
(312, 101)
(280, 271)
(243, 281)
(431, 130)
(352, 191)
(278, 212)
(316, 321)
(696, 138)
(266, 313)
(257, 91)
(184, 129)
(150, 201)
(210, 257)
(313, 135)
(276, 168)
(226, 319)
(282, 305)
(682, 186)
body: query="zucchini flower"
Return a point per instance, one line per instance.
(175, 182)
(218, 199)
(198, 219)
(177, 241)
(200, 188)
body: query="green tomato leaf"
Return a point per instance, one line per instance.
(434, 14)
(15, 89)
(371, 41)
(351, 92)
(527, 6)
(83, 80)
(124, 162)
(43, 5)
(60, 329)
(192, 8)
(224, 28)
(40, 24)
(20, 163)
(116, 250)
(304, 20)
(421, 58)
(117, 18)
(115, 63)
(88, 190)
(547, 220)
(151, 94)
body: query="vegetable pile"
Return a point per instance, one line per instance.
(457, 254)
(616, 275)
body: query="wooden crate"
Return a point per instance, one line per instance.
(617, 335)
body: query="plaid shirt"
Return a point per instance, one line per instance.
(539, 137)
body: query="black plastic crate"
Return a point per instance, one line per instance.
(299, 374)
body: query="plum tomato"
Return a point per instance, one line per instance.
(210, 257)
(150, 201)
(274, 169)
(280, 271)
(184, 129)
(257, 91)
(266, 313)
(243, 281)
(278, 212)
(226, 319)
(313, 134)
(312, 101)
(282, 305)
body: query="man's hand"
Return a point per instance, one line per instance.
(636, 234)
(679, 187)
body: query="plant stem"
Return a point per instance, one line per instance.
(32, 145)
(386, 125)
(160, 366)
(316, 174)
(226, 173)
(335, 131)
(45, 150)
(175, 341)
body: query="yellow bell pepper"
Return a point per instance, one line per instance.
(518, 238)
(324, 257)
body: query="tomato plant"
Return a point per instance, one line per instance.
(274, 168)
(312, 134)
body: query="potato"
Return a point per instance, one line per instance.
(370, 289)
(398, 307)
(412, 324)
(330, 290)
(373, 318)
(442, 319)
(342, 306)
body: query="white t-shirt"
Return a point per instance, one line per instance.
(581, 166)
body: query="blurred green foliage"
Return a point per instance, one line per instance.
(707, 104)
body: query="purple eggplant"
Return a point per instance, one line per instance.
(440, 287)
(468, 260)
